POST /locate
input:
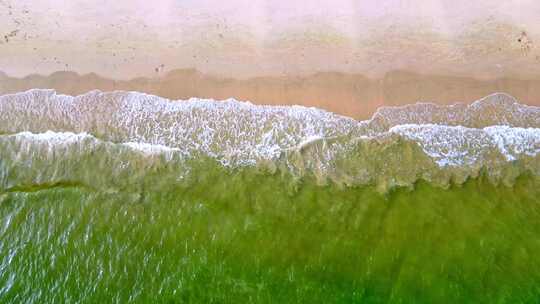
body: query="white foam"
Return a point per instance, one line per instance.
(242, 134)
(52, 137)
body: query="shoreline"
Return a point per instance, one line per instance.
(352, 95)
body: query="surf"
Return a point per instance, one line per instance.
(126, 195)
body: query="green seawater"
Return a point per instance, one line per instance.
(240, 236)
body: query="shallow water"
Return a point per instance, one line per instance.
(124, 197)
(235, 237)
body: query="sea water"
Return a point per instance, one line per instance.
(126, 197)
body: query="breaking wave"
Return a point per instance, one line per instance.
(127, 136)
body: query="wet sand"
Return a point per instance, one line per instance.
(348, 94)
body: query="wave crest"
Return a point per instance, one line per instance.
(128, 136)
